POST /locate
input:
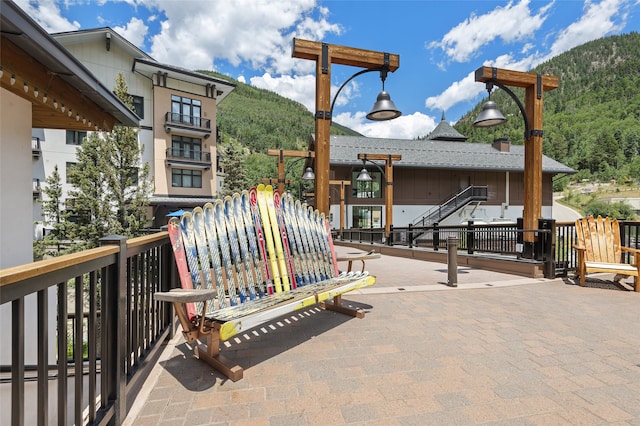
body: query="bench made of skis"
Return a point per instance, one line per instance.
(249, 259)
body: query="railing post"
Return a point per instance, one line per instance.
(115, 293)
(547, 242)
(436, 236)
(519, 236)
(470, 237)
(390, 239)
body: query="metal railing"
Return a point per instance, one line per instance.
(189, 156)
(97, 363)
(554, 245)
(437, 213)
(192, 121)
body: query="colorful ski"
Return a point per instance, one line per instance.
(239, 252)
(295, 239)
(289, 241)
(269, 238)
(277, 238)
(254, 236)
(214, 251)
(274, 199)
(332, 248)
(257, 220)
(221, 229)
(175, 236)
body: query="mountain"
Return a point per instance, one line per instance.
(592, 120)
(260, 119)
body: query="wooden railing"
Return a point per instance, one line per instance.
(112, 288)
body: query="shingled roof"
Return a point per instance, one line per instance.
(444, 132)
(437, 154)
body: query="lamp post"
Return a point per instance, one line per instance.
(535, 85)
(324, 55)
(342, 184)
(281, 154)
(388, 177)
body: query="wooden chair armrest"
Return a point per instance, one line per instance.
(579, 247)
(182, 295)
(630, 250)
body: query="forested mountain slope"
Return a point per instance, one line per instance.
(592, 121)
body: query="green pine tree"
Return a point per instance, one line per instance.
(232, 161)
(112, 188)
(56, 218)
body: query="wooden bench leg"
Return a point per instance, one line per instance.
(337, 307)
(210, 353)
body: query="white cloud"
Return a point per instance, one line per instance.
(597, 21)
(135, 32)
(48, 15)
(511, 23)
(257, 33)
(404, 127)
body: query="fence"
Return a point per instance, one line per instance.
(99, 361)
(555, 240)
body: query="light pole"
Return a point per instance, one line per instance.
(535, 85)
(388, 177)
(324, 55)
(281, 154)
(342, 184)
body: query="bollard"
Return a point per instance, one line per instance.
(452, 261)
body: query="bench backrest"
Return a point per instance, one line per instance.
(601, 239)
(251, 245)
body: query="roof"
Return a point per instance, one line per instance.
(444, 131)
(431, 154)
(58, 74)
(145, 64)
(150, 67)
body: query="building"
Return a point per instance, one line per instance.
(432, 172)
(177, 108)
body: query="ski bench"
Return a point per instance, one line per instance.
(249, 259)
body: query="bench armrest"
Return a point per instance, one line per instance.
(579, 247)
(630, 250)
(181, 295)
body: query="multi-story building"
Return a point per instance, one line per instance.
(177, 108)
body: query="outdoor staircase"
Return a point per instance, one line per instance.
(453, 204)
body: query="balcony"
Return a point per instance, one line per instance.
(189, 158)
(187, 124)
(36, 150)
(37, 188)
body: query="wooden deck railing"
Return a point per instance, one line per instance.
(97, 363)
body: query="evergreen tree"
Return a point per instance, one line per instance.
(232, 161)
(111, 187)
(55, 218)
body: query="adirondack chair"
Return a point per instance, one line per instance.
(599, 250)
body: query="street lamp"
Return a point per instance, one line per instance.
(324, 55)
(535, 85)
(301, 155)
(364, 176)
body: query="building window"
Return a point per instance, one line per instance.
(184, 178)
(367, 216)
(186, 147)
(186, 110)
(138, 105)
(69, 170)
(75, 138)
(371, 189)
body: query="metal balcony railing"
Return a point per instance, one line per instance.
(36, 149)
(182, 156)
(187, 124)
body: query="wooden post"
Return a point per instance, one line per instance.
(388, 192)
(326, 54)
(281, 154)
(342, 184)
(535, 85)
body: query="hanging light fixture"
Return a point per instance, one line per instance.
(384, 108)
(490, 115)
(308, 174)
(25, 87)
(12, 80)
(45, 98)
(364, 175)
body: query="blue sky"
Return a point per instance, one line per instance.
(440, 44)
